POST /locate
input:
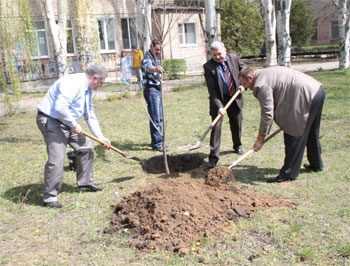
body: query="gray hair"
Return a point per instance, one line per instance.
(215, 45)
(98, 70)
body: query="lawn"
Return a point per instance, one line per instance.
(317, 232)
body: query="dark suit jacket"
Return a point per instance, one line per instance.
(215, 85)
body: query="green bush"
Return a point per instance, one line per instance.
(173, 67)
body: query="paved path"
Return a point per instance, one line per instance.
(27, 105)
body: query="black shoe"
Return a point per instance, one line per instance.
(91, 188)
(53, 204)
(279, 179)
(212, 165)
(238, 150)
(310, 168)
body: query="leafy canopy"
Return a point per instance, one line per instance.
(242, 26)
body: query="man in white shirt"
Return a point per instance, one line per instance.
(67, 100)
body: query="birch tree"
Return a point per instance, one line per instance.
(283, 33)
(269, 14)
(343, 7)
(59, 35)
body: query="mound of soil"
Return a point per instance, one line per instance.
(175, 212)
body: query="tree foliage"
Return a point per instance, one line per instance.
(16, 44)
(301, 23)
(242, 26)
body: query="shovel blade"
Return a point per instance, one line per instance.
(190, 147)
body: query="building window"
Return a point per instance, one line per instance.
(106, 34)
(314, 30)
(129, 33)
(42, 49)
(70, 39)
(187, 33)
(334, 30)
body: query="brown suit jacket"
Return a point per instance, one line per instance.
(285, 96)
(215, 85)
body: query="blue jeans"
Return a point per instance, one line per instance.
(153, 98)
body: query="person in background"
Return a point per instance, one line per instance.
(125, 67)
(137, 57)
(221, 76)
(294, 101)
(151, 71)
(68, 100)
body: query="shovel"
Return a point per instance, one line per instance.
(197, 145)
(112, 147)
(251, 151)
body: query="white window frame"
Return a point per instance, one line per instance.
(108, 35)
(43, 38)
(130, 40)
(183, 35)
(70, 33)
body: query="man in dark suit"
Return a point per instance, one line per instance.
(221, 76)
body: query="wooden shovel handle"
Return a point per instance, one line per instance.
(251, 151)
(102, 143)
(226, 107)
(218, 117)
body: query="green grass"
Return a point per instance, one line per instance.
(316, 233)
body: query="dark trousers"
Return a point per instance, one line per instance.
(57, 136)
(295, 146)
(235, 119)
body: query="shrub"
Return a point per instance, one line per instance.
(173, 67)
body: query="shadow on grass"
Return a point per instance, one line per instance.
(101, 151)
(122, 179)
(18, 140)
(31, 194)
(251, 174)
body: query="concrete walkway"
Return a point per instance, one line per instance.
(29, 105)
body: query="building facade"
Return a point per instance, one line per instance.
(97, 31)
(326, 22)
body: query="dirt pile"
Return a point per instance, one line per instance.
(175, 212)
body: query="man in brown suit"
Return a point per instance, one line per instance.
(221, 76)
(294, 101)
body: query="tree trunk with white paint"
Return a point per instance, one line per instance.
(284, 40)
(211, 26)
(343, 7)
(148, 24)
(270, 32)
(59, 35)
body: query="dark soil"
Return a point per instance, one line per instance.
(173, 213)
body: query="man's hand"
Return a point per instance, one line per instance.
(241, 88)
(107, 143)
(222, 111)
(77, 129)
(257, 145)
(157, 69)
